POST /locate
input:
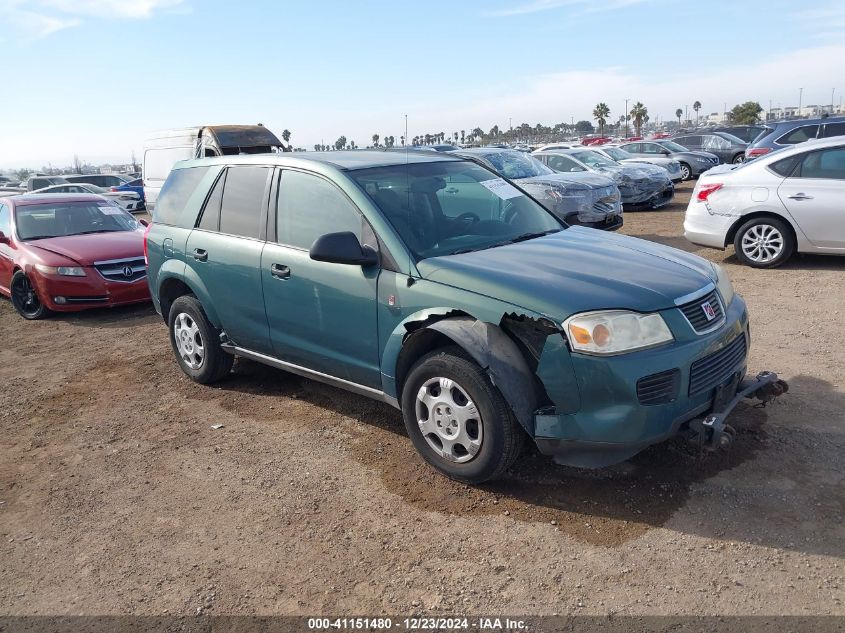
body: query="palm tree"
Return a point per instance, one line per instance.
(679, 113)
(639, 114)
(463, 136)
(286, 135)
(600, 114)
(375, 140)
(696, 106)
(402, 140)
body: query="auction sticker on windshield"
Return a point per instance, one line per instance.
(501, 188)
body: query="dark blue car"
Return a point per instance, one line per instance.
(780, 134)
(136, 185)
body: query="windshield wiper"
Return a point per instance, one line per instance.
(524, 237)
(37, 237)
(98, 231)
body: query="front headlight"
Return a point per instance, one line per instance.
(723, 283)
(615, 331)
(64, 271)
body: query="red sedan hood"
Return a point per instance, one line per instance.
(96, 247)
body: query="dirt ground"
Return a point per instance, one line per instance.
(117, 496)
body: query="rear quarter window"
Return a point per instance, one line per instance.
(177, 190)
(799, 135)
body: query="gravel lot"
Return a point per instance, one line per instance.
(117, 496)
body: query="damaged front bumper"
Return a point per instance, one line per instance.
(605, 410)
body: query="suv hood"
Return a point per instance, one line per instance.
(575, 270)
(96, 247)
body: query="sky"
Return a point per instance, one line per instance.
(94, 77)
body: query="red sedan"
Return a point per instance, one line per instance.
(65, 253)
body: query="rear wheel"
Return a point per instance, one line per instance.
(25, 298)
(196, 342)
(686, 172)
(764, 243)
(739, 158)
(457, 420)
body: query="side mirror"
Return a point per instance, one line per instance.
(665, 152)
(342, 248)
(143, 222)
(4, 239)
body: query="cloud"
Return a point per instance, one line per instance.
(586, 6)
(40, 18)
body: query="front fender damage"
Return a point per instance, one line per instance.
(503, 360)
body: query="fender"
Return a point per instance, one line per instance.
(190, 278)
(499, 356)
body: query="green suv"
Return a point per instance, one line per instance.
(428, 282)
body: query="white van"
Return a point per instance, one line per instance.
(164, 149)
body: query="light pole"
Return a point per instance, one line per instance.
(406, 128)
(832, 90)
(800, 100)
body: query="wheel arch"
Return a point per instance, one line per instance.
(502, 354)
(171, 287)
(730, 236)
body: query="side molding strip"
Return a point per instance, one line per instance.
(354, 387)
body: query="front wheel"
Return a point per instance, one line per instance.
(686, 172)
(739, 158)
(196, 342)
(457, 420)
(25, 299)
(764, 243)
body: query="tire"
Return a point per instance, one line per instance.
(764, 243)
(489, 437)
(25, 299)
(686, 172)
(739, 158)
(196, 342)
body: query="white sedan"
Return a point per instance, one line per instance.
(129, 200)
(792, 200)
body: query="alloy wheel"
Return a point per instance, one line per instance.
(686, 174)
(189, 341)
(25, 298)
(449, 420)
(762, 243)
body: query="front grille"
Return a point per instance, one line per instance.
(715, 369)
(697, 315)
(659, 388)
(124, 270)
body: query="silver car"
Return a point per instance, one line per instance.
(129, 200)
(614, 152)
(641, 186)
(785, 202)
(693, 164)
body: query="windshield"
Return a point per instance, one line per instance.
(445, 208)
(512, 164)
(617, 153)
(673, 146)
(38, 221)
(594, 159)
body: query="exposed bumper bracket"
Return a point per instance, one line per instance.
(712, 433)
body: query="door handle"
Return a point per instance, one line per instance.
(280, 271)
(800, 196)
(200, 254)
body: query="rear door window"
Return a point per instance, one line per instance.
(210, 219)
(309, 207)
(633, 148)
(562, 163)
(827, 163)
(799, 135)
(834, 129)
(243, 200)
